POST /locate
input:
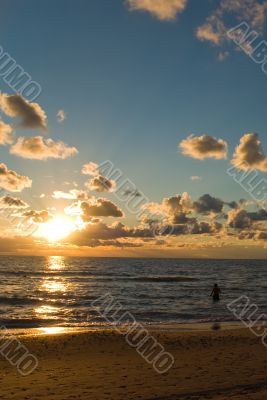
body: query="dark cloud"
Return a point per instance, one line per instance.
(202, 227)
(12, 202)
(31, 114)
(133, 193)
(207, 204)
(239, 219)
(260, 215)
(37, 216)
(94, 208)
(101, 184)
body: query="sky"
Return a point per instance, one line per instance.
(158, 89)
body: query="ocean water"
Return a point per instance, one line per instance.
(59, 291)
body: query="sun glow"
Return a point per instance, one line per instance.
(56, 229)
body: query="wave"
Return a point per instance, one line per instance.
(164, 279)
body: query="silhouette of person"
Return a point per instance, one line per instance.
(216, 291)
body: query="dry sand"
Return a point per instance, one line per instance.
(226, 364)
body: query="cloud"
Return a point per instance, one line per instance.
(239, 219)
(223, 55)
(261, 235)
(196, 178)
(101, 184)
(132, 193)
(38, 216)
(72, 194)
(172, 210)
(6, 133)
(214, 30)
(200, 228)
(207, 204)
(31, 114)
(99, 208)
(164, 10)
(249, 154)
(205, 146)
(61, 116)
(38, 148)
(94, 208)
(259, 215)
(11, 181)
(90, 169)
(12, 202)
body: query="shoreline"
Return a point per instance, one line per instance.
(100, 365)
(157, 328)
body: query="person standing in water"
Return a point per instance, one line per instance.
(216, 293)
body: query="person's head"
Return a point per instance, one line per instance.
(215, 285)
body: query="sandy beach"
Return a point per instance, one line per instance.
(97, 365)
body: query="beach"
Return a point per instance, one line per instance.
(229, 363)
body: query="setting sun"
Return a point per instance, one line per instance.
(56, 229)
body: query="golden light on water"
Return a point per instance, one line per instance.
(51, 285)
(46, 310)
(52, 330)
(56, 263)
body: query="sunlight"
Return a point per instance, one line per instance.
(56, 262)
(52, 330)
(56, 229)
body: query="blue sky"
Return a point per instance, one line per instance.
(132, 87)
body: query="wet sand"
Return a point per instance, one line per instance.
(225, 364)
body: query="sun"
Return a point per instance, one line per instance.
(56, 229)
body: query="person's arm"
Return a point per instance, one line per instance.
(212, 292)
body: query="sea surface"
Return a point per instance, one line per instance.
(59, 291)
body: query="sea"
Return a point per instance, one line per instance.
(62, 291)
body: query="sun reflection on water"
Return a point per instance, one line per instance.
(53, 288)
(52, 330)
(56, 263)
